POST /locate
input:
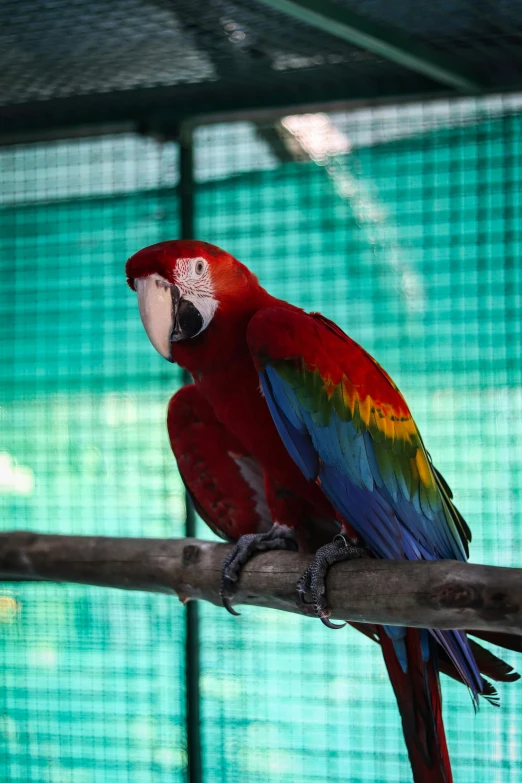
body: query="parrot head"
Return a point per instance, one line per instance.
(181, 286)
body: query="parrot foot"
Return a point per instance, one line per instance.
(313, 581)
(278, 537)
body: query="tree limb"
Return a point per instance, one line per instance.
(443, 594)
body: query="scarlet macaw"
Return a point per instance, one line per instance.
(292, 433)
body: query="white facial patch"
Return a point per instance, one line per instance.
(195, 285)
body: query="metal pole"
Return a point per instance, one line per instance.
(334, 19)
(186, 195)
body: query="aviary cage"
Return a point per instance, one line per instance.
(364, 158)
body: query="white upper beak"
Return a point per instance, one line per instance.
(156, 311)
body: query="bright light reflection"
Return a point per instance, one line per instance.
(317, 135)
(14, 478)
(323, 142)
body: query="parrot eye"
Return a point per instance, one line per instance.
(200, 266)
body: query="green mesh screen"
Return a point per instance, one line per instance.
(400, 223)
(92, 681)
(411, 241)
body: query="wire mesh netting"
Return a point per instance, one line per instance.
(471, 31)
(402, 224)
(71, 63)
(92, 682)
(67, 63)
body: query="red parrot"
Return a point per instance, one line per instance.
(293, 435)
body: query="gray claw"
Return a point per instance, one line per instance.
(303, 589)
(228, 606)
(301, 594)
(278, 537)
(326, 621)
(313, 580)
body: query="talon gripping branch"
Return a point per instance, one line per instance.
(291, 436)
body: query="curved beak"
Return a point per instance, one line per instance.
(158, 303)
(166, 316)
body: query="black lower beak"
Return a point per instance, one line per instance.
(186, 318)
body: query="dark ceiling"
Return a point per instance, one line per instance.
(152, 63)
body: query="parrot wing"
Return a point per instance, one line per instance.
(225, 483)
(347, 426)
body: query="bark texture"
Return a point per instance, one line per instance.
(443, 594)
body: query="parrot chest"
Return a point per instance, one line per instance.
(235, 396)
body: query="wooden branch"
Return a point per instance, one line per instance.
(442, 594)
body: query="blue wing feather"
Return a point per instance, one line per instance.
(296, 440)
(394, 521)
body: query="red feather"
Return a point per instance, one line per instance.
(419, 700)
(213, 465)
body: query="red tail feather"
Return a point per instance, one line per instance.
(418, 696)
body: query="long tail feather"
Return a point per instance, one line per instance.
(419, 699)
(506, 640)
(488, 663)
